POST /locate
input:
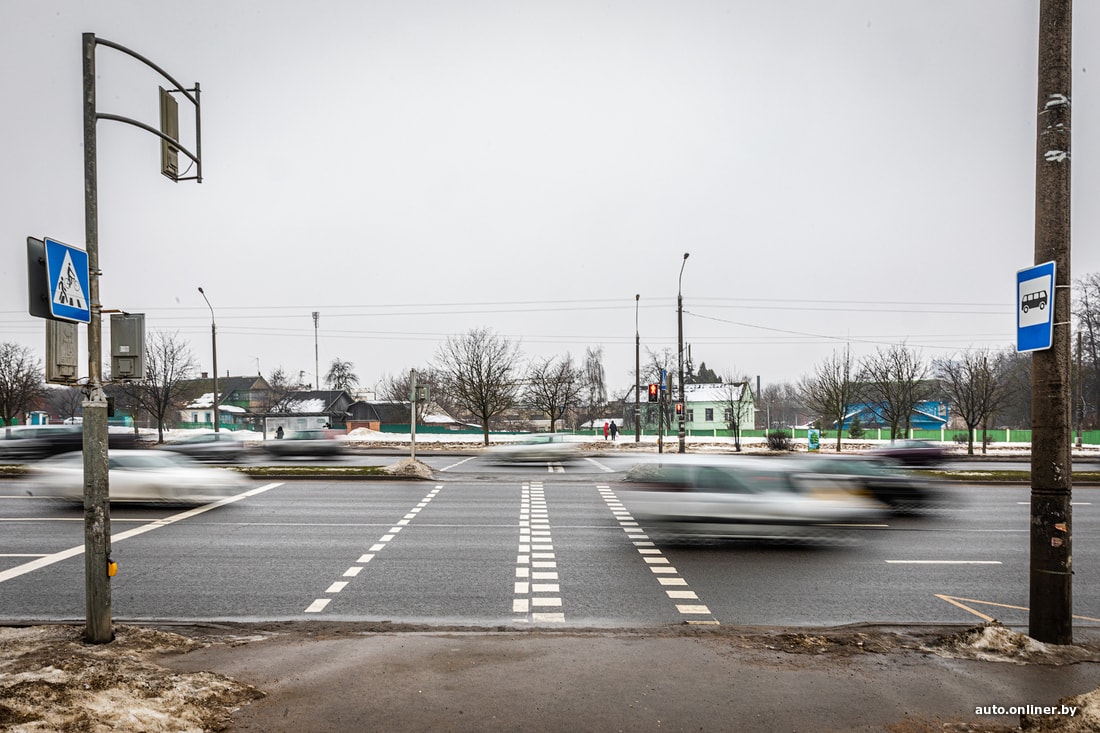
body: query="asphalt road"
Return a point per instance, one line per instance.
(456, 551)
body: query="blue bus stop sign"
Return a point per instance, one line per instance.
(67, 275)
(1035, 307)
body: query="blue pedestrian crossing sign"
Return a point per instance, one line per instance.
(67, 276)
(1035, 307)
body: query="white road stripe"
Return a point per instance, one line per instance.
(655, 560)
(47, 560)
(944, 562)
(319, 605)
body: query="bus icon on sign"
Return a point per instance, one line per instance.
(1038, 299)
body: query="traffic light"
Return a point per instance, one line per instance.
(680, 408)
(654, 390)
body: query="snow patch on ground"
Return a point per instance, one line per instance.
(51, 681)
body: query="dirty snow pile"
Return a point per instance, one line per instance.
(993, 642)
(51, 681)
(410, 468)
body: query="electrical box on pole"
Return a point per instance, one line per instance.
(62, 352)
(127, 346)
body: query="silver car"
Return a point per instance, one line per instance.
(744, 498)
(547, 447)
(139, 476)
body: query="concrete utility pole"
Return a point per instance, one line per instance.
(681, 430)
(98, 567)
(97, 512)
(1051, 597)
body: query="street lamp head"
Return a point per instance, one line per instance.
(686, 255)
(201, 291)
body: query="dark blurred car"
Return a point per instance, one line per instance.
(34, 442)
(317, 443)
(743, 498)
(220, 447)
(913, 453)
(905, 492)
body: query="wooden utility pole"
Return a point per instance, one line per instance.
(1051, 581)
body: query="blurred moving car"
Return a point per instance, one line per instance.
(913, 453)
(744, 498)
(220, 447)
(548, 447)
(138, 476)
(296, 443)
(33, 442)
(905, 492)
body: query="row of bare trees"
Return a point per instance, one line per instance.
(479, 376)
(978, 385)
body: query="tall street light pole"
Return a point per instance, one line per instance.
(214, 348)
(637, 374)
(680, 349)
(316, 358)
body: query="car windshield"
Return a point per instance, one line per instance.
(146, 461)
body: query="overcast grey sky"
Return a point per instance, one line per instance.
(840, 170)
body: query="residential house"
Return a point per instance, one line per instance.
(242, 402)
(310, 410)
(717, 406)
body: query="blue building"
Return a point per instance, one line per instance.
(927, 415)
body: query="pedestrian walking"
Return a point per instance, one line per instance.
(606, 430)
(614, 430)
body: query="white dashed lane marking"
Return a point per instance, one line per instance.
(659, 565)
(536, 585)
(321, 603)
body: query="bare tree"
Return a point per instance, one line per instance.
(831, 391)
(1015, 371)
(895, 381)
(279, 389)
(65, 401)
(478, 370)
(974, 388)
(399, 389)
(1087, 312)
(592, 400)
(782, 405)
(168, 364)
(340, 376)
(21, 381)
(737, 405)
(554, 386)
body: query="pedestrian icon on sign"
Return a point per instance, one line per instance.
(68, 292)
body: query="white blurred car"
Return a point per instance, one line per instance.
(546, 447)
(138, 476)
(744, 498)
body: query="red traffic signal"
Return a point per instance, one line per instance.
(679, 408)
(654, 391)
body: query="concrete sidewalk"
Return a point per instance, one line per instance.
(333, 677)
